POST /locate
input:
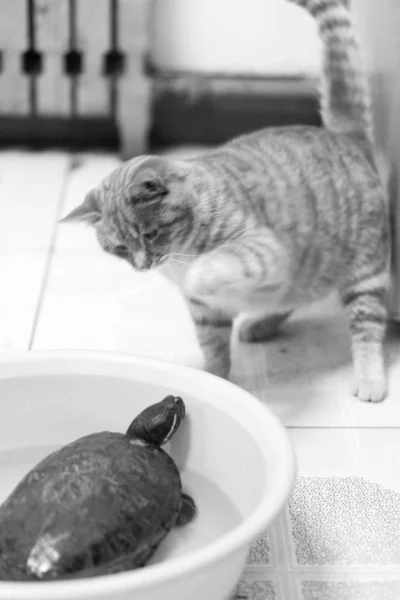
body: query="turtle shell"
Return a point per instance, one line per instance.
(99, 505)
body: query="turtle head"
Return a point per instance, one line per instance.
(158, 422)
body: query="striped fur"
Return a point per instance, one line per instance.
(269, 221)
(345, 98)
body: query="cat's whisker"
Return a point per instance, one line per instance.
(179, 262)
(182, 254)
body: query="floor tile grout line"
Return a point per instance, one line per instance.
(51, 250)
(357, 453)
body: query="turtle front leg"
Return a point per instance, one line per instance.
(187, 512)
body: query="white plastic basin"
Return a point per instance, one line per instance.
(234, 455)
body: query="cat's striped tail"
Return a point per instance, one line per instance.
(345, 98)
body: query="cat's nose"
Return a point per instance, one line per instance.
(142, 261)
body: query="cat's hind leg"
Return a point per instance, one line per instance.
(366, 306)
(261, 327)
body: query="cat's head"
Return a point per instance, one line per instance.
(142, 211)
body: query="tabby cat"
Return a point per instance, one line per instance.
(269, 221)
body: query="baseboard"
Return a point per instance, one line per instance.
(197, 109)
(58, 132)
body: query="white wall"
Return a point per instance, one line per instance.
(234, 36)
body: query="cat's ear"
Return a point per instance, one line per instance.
(88, 212)
(152, 177)
(148, 185)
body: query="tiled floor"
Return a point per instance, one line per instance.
(339, 539)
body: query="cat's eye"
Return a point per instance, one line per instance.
(151, 234)
(121, 251)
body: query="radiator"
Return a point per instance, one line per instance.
(75, 65)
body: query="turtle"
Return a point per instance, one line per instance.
(99, 505)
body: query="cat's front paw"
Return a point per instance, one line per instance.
(369, 390)
(201, 281)
(221, 368)
(211, 275)
(218, 363)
